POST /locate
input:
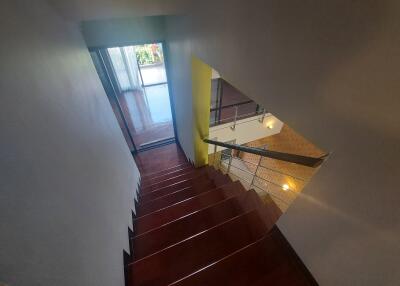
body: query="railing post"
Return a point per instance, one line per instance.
(229, 164)
(255, 173)
(234, 122)
(215, 155)
(261, 120)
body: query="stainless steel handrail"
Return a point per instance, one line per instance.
(255, 175)
(238, 117)
(261, 166)
(282, 156)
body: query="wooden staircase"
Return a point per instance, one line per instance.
(194, 226)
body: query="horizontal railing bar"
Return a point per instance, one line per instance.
(292, 158)
(253, 174)
(273, 170)
(231, 105)
(233, 117)
(252, 185)
(243, 116)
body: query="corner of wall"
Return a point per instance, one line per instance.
(201, 93)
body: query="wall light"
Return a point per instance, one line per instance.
(285, 187)
(270, 125)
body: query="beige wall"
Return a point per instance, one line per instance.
(330, 70)
(277, 173)
(67, 178)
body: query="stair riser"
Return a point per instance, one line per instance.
(170, 181)
(197, 184)
(169, 234)
(173, 198)
(163, 177)
(199, 251)
(166, 171)
(265, 262)
(164, 216)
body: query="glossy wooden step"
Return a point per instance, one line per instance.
(218, 177)
(159, 159)
(198, 251)
(198, 186)
(181, 209)
(269, 261)
(178, 230)
(199, 182)
(172, 198)
(164, 176)
(192, 173)
(168, 170)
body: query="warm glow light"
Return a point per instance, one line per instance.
(285, 187)
(270, 125)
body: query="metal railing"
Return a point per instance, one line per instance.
(238, 109)
(240, 168)
(253, 179)
(234, 119)
(292, 158)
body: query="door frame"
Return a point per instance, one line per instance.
(106, 66)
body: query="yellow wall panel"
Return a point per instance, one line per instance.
(201, 92)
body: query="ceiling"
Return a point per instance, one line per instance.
(84, 10)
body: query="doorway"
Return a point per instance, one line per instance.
(135, 80)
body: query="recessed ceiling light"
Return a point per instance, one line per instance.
(285, 187)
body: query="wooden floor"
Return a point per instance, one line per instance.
(195, 226)
(140, 116)
(158, 159)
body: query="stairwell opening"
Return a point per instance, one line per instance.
(235, 117)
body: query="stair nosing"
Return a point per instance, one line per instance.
(151, 174)
(185, 200)
(172, 221)
(191, 171)
(178, 191)
(194, 235)
(219, 260)
(159, 189)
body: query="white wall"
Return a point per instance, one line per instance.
(125, 31)
(66, 175)
(180, 80)
(330, 70)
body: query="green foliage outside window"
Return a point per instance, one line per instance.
(149, 54)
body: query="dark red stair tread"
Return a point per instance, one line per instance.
(199, 182)
(184, 258)
(146, 206)
(211, 173)
(265, 262)
(218, 177)
(172, 198)
(191, 205)
(181, 177)
(180, 229)
(171, 174)
(165, 171)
